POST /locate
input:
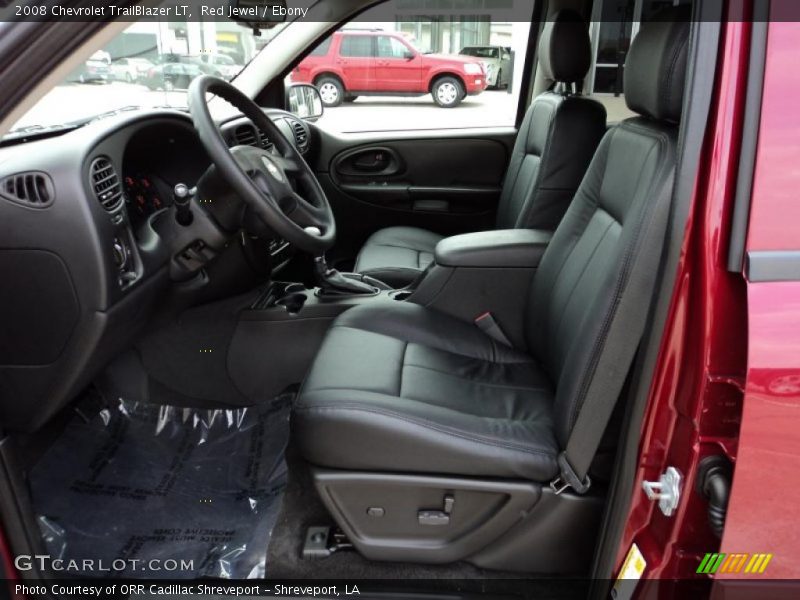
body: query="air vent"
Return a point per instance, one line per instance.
(31, 189)
(245, 135)
(300, 135)
(105, 183)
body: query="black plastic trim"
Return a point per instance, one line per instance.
(749, 145)
(531, 61)
(772, 265)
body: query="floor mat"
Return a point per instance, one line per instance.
(158, 491)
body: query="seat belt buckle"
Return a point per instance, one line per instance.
(569, 479)
(487, 324)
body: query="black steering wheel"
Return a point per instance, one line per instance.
(264, 179)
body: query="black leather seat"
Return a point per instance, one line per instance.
(398, 387)
(555, 143)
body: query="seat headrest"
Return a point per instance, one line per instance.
(565, 50)
(655, 70)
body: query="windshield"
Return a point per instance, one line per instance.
(480, 52)
(149, 64)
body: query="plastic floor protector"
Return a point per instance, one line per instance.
(161, 491)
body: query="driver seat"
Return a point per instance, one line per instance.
(556, 141)
(431, 441)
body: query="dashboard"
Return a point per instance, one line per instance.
(145, 194)
(89, 247)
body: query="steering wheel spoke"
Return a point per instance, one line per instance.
(304, 214)
(264, 180)
(289, 165)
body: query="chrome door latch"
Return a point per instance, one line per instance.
(667, 490)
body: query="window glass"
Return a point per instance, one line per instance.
(615, 23)
(323, 48)
(389, 47)
(480, 52)
(458, 79)
(356, 46)
(148, 63)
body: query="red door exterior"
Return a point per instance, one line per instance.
(354, 58)
(764, 510)
(728, 374)
(393, 70)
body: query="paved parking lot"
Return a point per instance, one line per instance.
(489, 109)
(70, 102)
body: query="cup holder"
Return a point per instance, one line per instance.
(293, 302)
(401, 295)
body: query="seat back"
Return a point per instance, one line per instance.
(577, 287)
(558, 135)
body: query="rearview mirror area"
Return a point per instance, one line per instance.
(304, 100)
(258, 14)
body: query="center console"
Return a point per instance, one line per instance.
(485, 272)
(278, 335)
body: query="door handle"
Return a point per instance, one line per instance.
(371, 162)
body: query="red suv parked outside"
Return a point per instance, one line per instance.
(380, 63)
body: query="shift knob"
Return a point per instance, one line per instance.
(182, 198)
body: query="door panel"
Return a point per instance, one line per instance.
(448, 182)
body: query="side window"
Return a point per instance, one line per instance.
(457, 79)
(323, 47)
(389, 47)
(615, 24)
(356, 46)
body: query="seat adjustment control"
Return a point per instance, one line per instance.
(437, 517)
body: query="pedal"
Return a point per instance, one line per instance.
(321, 542)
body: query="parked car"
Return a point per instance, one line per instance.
(190, 59)
(129, 69)
(94, 70)
(496, 59)
(222, 63)
(381, 63)
(171, 76)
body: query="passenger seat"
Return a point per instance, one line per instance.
(556, 141)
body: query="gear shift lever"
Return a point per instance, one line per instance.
(332, 281)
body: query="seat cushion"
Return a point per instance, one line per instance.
(397, 255)
(399, 387)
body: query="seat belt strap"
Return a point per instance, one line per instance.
(616, 358)
(486, 323)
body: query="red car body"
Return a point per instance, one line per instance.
(727, 379)
(412, 74)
